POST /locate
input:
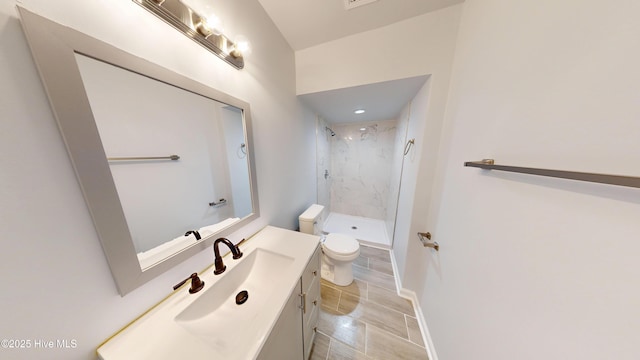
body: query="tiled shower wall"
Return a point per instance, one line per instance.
(361, 166)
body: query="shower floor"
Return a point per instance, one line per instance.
(367, 231)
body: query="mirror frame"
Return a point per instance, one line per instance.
(53, 47)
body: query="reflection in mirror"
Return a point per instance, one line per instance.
(111, 104)
(142, 122)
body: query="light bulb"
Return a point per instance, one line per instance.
(241, 46)
(213, 23)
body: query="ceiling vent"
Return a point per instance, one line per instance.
(352, 4)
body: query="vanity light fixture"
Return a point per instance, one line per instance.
(204, 30)
(359, 111)
(242, 46)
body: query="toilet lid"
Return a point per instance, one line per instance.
(341, 244)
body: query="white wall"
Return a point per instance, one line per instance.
(423, 45)
(418, 46)
(537, 268)
(415, 177)
(56, 282)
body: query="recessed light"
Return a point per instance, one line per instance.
(363, 129)
(359, 111)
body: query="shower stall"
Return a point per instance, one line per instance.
(358, 168)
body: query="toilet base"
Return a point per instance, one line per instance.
(326, 273)
(341, 274)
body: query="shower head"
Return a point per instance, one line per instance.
(330, 131)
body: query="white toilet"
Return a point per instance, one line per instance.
(339, 249)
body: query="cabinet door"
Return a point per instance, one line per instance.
(310, 318)
(285, 340)
(312, 271)
(311, 287)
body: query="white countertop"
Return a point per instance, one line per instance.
(156, 335)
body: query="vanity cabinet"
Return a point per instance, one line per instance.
(292, 336)
(281, 271)
(285, 340)
(310, 282)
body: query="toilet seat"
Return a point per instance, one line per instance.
(341, 247)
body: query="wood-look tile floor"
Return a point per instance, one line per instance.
(367, 319)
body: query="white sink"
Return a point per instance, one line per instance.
(209, 324)
(214, 315)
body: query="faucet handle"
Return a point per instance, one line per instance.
(195, 233)
(196, 283)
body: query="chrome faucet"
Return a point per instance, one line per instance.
(220, 266)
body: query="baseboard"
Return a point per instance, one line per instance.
(396, 277)
(413, 297)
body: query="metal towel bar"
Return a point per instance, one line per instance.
(630, 181)
(219, 203)
(170, 157)
(425, 238)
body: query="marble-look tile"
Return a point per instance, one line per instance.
(375, 253)
(374, 277)
(343, 328)
(381, 266)
(381, 345)
(390, 299)
(320, 347)
(415, 335)
(374, 314)
(362, 164)
(340, 351)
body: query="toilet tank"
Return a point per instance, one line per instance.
(311, 220)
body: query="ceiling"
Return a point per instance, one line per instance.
(306, 23)
(381, 101)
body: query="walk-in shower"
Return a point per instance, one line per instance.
(359, 167)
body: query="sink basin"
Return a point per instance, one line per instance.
(214, 316)
(209, 324)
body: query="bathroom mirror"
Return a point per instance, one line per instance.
(156, 154)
